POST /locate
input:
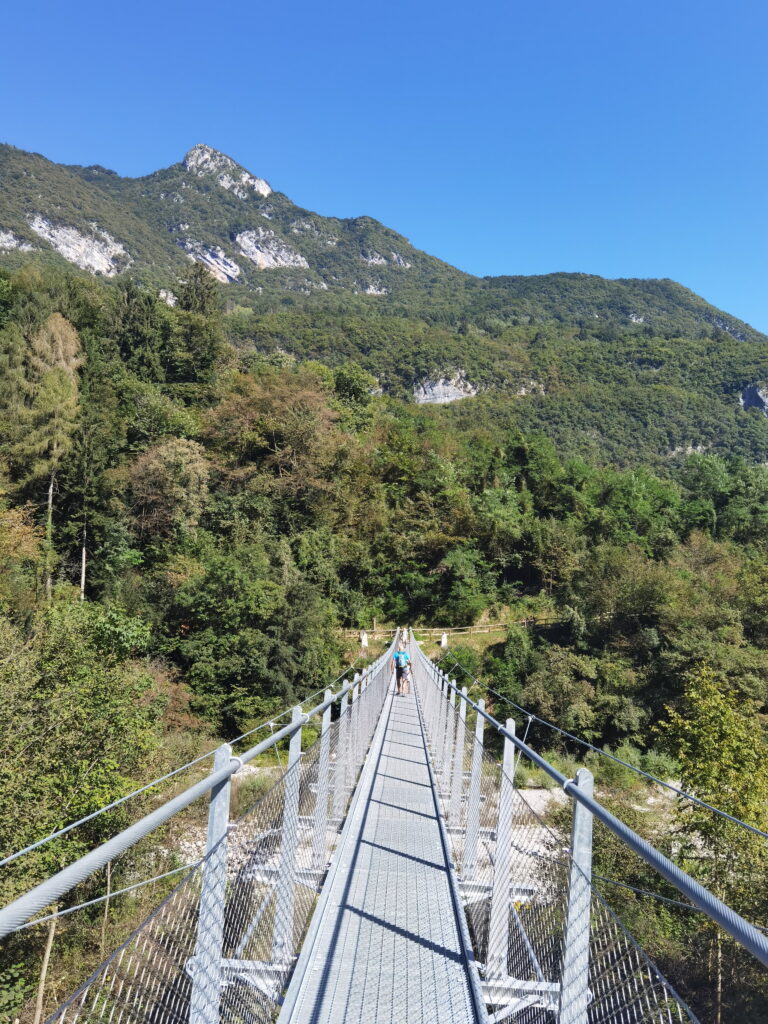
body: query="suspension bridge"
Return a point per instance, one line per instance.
(392, 873)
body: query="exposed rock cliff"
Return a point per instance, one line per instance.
(214, 258)
(98, 252)
(754, 397)
(443, 389)
(9, 242)
(262, 247)
(202, 160)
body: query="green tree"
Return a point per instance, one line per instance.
(51, 412)
(141, 326)
(12, 386)
(724, 761)
(91, 716)
(169, 487)
(98, 441)
(200, 293)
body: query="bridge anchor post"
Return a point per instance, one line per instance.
(205, 967)
(574, 980)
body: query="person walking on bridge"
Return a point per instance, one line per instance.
(400, 662)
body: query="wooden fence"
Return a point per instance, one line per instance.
(434, 632)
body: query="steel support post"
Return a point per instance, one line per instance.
(342, 753)
(439, 694)
(442, 711)
(428, 696)
(469, 859)
(321, 801)
(354, 740)
(424, 694)
(498, 926)
(438, 713)
(457, 778)
(448, 738)
(574, 981)
(282, 934)
(365, 706)
(206, 973)
(433, 714)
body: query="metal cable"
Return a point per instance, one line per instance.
(731, 922)
(518, 885)
(659, 897)
(108, 896)
(604, 753)
(102, 810)
(163, 778)
(223, 943)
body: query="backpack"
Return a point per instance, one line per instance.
(401, 659)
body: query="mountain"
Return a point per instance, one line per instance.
(256, 241)
(594, 363)
(207, 208)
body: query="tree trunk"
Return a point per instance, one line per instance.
(83, 563)
(49, 541)
(44, 969)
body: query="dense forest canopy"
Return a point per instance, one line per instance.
(224, 488)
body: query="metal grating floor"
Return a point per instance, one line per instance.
(387, 947)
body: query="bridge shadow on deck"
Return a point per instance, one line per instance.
(389, 947)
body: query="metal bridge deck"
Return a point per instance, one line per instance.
(386, 946)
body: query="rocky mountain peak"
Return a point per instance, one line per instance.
(202, 160)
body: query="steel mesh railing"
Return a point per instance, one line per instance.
(549, 947)
(222, 944)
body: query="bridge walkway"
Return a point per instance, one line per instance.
(387, 943)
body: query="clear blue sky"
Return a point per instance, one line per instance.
(625, 139)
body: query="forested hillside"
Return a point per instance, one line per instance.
(224, 490)
(622, 372)
(165, 466)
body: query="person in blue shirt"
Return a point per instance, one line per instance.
(401, 663)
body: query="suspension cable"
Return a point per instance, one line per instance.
(108, 896)
(754, 940)
(40, 896)
(659, 897)
(604, 753)
(164, 778)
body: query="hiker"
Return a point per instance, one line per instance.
(400, 663)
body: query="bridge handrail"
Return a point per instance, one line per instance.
(681, 793)
(731, 922)
(20, 910)
(266, 724)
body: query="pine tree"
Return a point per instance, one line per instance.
(200, 293)
(51, 412)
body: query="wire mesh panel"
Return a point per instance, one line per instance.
(549, 947)
(222, 945)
